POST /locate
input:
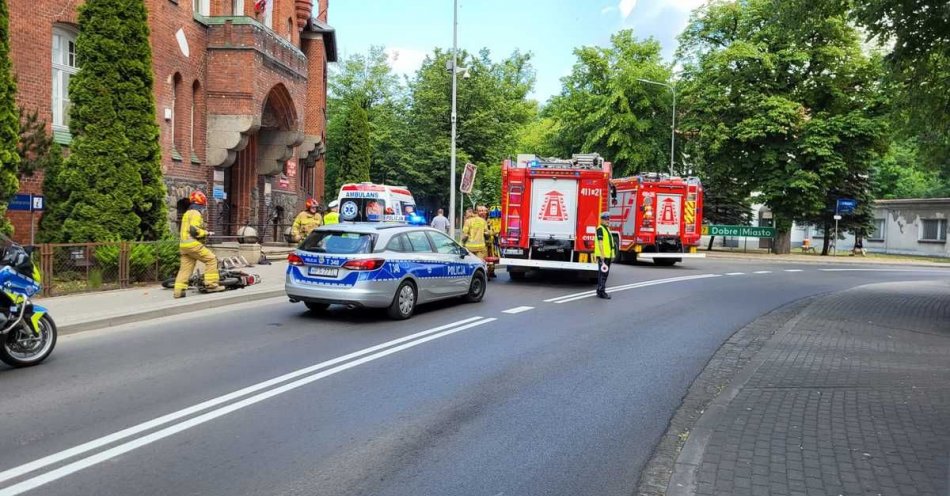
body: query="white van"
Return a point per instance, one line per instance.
(369, 202)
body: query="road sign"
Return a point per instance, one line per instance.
(837, 217)
(468, 178)
(846, 205)
(21, 203)
(39, 203)
(740, 231)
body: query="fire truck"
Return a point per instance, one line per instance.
(550, 210)
(658, 217)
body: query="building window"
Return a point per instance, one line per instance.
(64, 66)
(237, 7)
(269, 14)
(290, 30)
(933, 230)
(202, 7)
(178, 103)
(878, 233)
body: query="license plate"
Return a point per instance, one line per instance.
(324, 271)
(514, 251)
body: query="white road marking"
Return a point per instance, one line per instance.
(762, 272)
(517, 310)
(793, 270)
(735, 273)
(935, 270)
(165, 419)
(588, 294)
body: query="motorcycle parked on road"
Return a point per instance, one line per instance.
(27, 331)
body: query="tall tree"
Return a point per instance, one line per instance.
(605, 108)
(368, 79)
(492, 108)
(918, 33)
(355, 154)
(787, 106)
(113, 173)
(9, 122)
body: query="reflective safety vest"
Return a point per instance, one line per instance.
(192, 229)
(604, 244)
(331, 218)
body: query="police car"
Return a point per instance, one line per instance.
(382, 265)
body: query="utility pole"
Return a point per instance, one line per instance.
(455, 12)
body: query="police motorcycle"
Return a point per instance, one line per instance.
(27, 331)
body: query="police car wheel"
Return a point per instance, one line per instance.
(476, 288)
(404, 302)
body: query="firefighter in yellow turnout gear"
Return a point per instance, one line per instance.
(473, 236)
(603, 253)
(307, 221)
(192, 248)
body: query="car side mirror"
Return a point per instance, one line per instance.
(462, 252)
(29, 249)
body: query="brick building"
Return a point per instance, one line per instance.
(240, 92)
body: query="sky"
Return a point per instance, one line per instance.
(548, 29)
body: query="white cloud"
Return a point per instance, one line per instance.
(626, 7)
(686, 5)
(607, 10)
(405, 60)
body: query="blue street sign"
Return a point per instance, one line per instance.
(846, 205)
(21, 203)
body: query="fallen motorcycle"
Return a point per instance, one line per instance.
(228, 278)
(27, 331)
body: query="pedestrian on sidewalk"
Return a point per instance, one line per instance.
(859, 247)
(603, 254)
(307, 220)
(440, 222)
(333, 216)
(192, 248)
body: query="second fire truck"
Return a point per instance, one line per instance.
(550, 210)
(658, 217)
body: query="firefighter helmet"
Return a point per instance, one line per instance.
(198, 198)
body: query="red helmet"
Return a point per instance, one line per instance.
(198, 198)
(311, 203)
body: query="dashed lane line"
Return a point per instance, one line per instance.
(735, 273)
(515, 310)
(587, 294)
(762, 272)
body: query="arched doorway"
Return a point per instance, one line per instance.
(247, 181)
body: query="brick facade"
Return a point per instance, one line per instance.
(232, 96)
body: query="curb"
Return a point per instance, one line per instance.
(177, 309)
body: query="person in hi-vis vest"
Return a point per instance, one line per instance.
(603, 254)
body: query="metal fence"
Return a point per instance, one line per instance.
(81, 267)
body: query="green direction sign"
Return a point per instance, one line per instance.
(742, 231)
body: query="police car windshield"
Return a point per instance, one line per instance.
(341, 243)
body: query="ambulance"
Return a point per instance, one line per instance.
(369, 202)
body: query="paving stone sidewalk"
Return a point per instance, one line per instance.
(851, 396)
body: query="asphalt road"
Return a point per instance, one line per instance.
(563, 394)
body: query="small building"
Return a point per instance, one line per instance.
(911, 227)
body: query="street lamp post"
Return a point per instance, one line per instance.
(455, 12)
(673, 125)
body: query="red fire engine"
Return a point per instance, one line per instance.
(550, 209)
(657, 217)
